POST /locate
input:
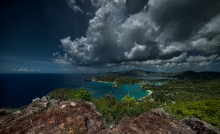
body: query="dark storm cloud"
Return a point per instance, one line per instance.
(162, 34)
(183, 18)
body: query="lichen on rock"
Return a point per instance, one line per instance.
(38, 118)
(51, 116)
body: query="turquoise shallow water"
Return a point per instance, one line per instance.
(100, 89)
(158, 83)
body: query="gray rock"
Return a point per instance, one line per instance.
(200, 127)
(157, 121)
(36, 99)
(18, 112)
(78, 119)
(45, 98)
(53, 102)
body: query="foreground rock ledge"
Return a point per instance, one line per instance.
(66, 117)
(52, 116)
(157, 121)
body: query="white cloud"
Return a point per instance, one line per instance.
(98, 3)
(136, 51)
(26, 70)
(199, 58)
(111, 35)
(61, 60)
(204, 45)
(211, 27)
(72, 4)
(172, 47)
(153, 37)
(179, 58)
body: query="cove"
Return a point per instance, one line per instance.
(19, 89)
(99, 90)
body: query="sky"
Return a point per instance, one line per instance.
(90, 36)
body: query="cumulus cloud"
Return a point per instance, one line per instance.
(162, 33)
(136, 51)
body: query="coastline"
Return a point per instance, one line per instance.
(150, 92)
(102, 82)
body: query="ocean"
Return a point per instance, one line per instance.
(17, 90)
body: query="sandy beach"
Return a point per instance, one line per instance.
(150, 92)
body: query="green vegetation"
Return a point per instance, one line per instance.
(207, 110)
(199, 99)
(182, 91)
(182, 98)
(71, 95)
(117, 79)
(111, 109)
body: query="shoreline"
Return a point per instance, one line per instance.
(101, 81)
(150, 92)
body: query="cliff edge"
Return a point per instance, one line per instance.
(47, 115)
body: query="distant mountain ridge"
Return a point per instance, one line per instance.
(186, 75)
(192, 75)
(141, 73)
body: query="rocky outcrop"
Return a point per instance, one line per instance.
(200, 127)
(46, 115)
(156, 121)
(63, 117)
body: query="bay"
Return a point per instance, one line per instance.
(17, 90)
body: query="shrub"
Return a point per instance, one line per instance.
(111, 109)
(207, 110)
(71, 95)
(114, 110)
(82, 94)
(62, 94)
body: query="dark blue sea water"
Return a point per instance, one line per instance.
(17, 90)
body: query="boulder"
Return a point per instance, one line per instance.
(50, 116)
(75, 117)
(156, 121)
(200, 127)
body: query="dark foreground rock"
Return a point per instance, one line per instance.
(65, 117)
(156, 121)
(51, 117)
(200, 127)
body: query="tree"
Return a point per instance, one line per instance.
(110, 99)
(128, 100)
(83, 94)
